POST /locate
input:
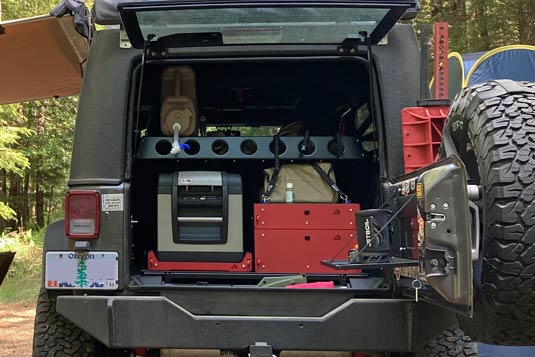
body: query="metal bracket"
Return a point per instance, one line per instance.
(438, 262)
(124, 42)
(281, 281)
(261, 349)
(375, 261)
(82, 246)
(349, 47)
(476, 236)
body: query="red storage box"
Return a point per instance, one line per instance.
(300, 251)
(295, 238)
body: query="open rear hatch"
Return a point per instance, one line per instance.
(174, 24)
(435, 197)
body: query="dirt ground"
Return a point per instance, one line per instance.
(16, 326)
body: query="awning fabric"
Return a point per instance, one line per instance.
(40, 57)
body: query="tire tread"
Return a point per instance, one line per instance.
(54, 336)
(501, 128)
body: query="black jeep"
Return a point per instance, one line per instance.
(239, 185)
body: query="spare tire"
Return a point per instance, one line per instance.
(451, 342)
(492, 127)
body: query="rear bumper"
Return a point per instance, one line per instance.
(158, 322)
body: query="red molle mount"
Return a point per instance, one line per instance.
(244, 266)
(422, 134)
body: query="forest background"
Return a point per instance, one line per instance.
(36, 137)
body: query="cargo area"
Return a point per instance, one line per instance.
(199, 198)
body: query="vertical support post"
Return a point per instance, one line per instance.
(441, 50)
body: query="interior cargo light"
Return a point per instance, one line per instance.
(82, 212)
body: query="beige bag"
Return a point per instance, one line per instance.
(308, 185)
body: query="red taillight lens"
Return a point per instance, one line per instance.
(82, 212)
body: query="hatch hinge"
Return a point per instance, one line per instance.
(349, 47)
(124, 41)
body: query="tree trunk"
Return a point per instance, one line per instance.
(482, 42)
(3, 196)
(39, 190)
(50, 206)
(526, 25)
(39, 201)
(14, 200)
(25, 206)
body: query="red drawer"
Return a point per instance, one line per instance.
(305, 216)
(301, 251)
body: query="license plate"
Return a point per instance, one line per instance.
(89, 270)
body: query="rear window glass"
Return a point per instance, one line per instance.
(264, 24)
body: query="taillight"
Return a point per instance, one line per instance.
(82, 212)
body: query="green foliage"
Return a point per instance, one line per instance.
(20, 289)
(23, 279)
(35, 145)
(480, 25)
(28, 248)
(6, 212)
(12, 160)
(48, 148)
(16, 9)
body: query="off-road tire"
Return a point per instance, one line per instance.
(55, 336)
(449, 343)
(493, 129)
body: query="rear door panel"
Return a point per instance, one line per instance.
(444, 233)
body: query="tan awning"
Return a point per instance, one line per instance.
(40, 57)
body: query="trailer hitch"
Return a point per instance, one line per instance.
(261, 349)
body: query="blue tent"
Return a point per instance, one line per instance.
(485, 350)
(516, 62)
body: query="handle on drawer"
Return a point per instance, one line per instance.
(200, 219)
